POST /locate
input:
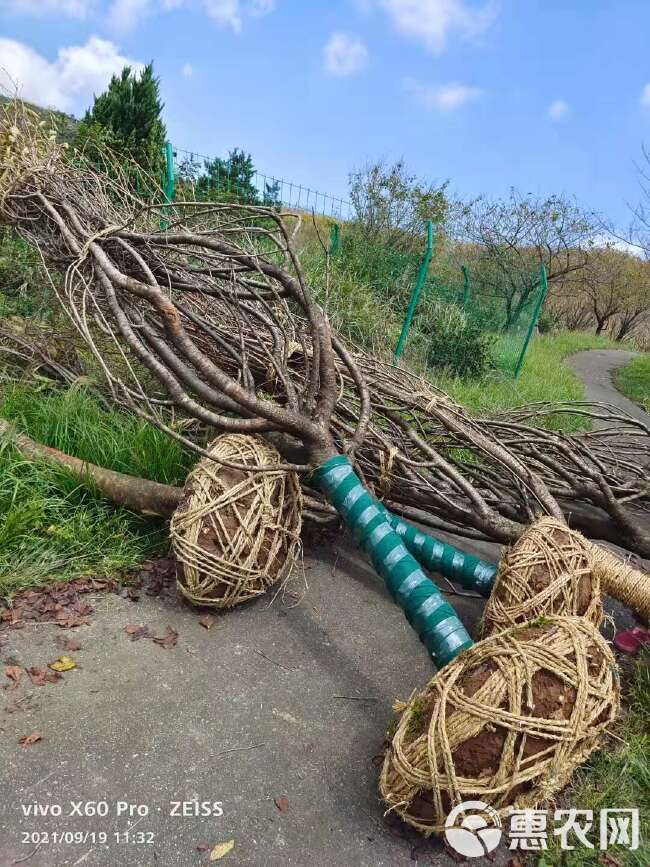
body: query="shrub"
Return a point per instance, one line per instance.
(456, 343)
(362, 315)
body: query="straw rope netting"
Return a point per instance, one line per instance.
(549, 570)
(507, 722)
(236, 532)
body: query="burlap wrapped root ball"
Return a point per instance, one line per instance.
(236, 532)
(506, 722)
(549, 570)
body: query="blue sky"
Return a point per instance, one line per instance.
(549, 96)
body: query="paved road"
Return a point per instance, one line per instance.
(595, 368)
(288, 699)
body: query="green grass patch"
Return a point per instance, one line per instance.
(75, 422)
(615, 777)
(545, 377)
(54, 527)
(634, 380)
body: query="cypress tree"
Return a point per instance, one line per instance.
(128, 117)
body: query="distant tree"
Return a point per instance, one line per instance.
(232, 179)
(605, 284)
(391, 205)
(505, 241)
(272, 197)
(127, 116)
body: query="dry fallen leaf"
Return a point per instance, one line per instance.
(71, 622)
(14, 673)
(28, 740)
(168, 640)
(207, 621)
(282, 803)
(41, 676)
(70, 644)
(136, 631)
(63, 663)
(221, 849)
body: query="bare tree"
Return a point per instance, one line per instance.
(392, 205)
(506, 240)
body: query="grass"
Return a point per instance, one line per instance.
(52, 527)
(634, 380)
(545, 377)
(618, 776)
(75, 422)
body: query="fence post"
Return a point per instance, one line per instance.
(335, 239)
(543, 282)
(170, 182)
(415, 295)
(466, 287)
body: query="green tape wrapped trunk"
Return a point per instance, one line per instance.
(432, 617)
(465, 569)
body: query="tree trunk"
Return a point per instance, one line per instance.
(138, 495)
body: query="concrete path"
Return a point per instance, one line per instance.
(284, 700)
(595, 368)
(288, 700)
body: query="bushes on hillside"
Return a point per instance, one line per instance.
(456, 343)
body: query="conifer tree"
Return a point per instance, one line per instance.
(127, 116)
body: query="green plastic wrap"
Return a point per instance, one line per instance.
(465, 569)
(432, 617)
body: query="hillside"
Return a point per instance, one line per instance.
(66, 124)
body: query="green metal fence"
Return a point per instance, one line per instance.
(507, 317)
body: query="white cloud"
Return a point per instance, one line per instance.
(645, 95)
(344, 55)
(559, 109)
(71, 80)
(445, 97)
(73, 8)
(432, 21)
(187, 70)
(125, 15)
(226, 13)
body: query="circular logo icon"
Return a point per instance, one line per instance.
(473, 829)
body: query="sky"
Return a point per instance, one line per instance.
(549, 96)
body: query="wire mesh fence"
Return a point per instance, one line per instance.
(236, 178)
(506, 319)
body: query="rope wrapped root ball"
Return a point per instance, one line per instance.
(507, 722)
(549, 570)
(236, 532)
(620, 580)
